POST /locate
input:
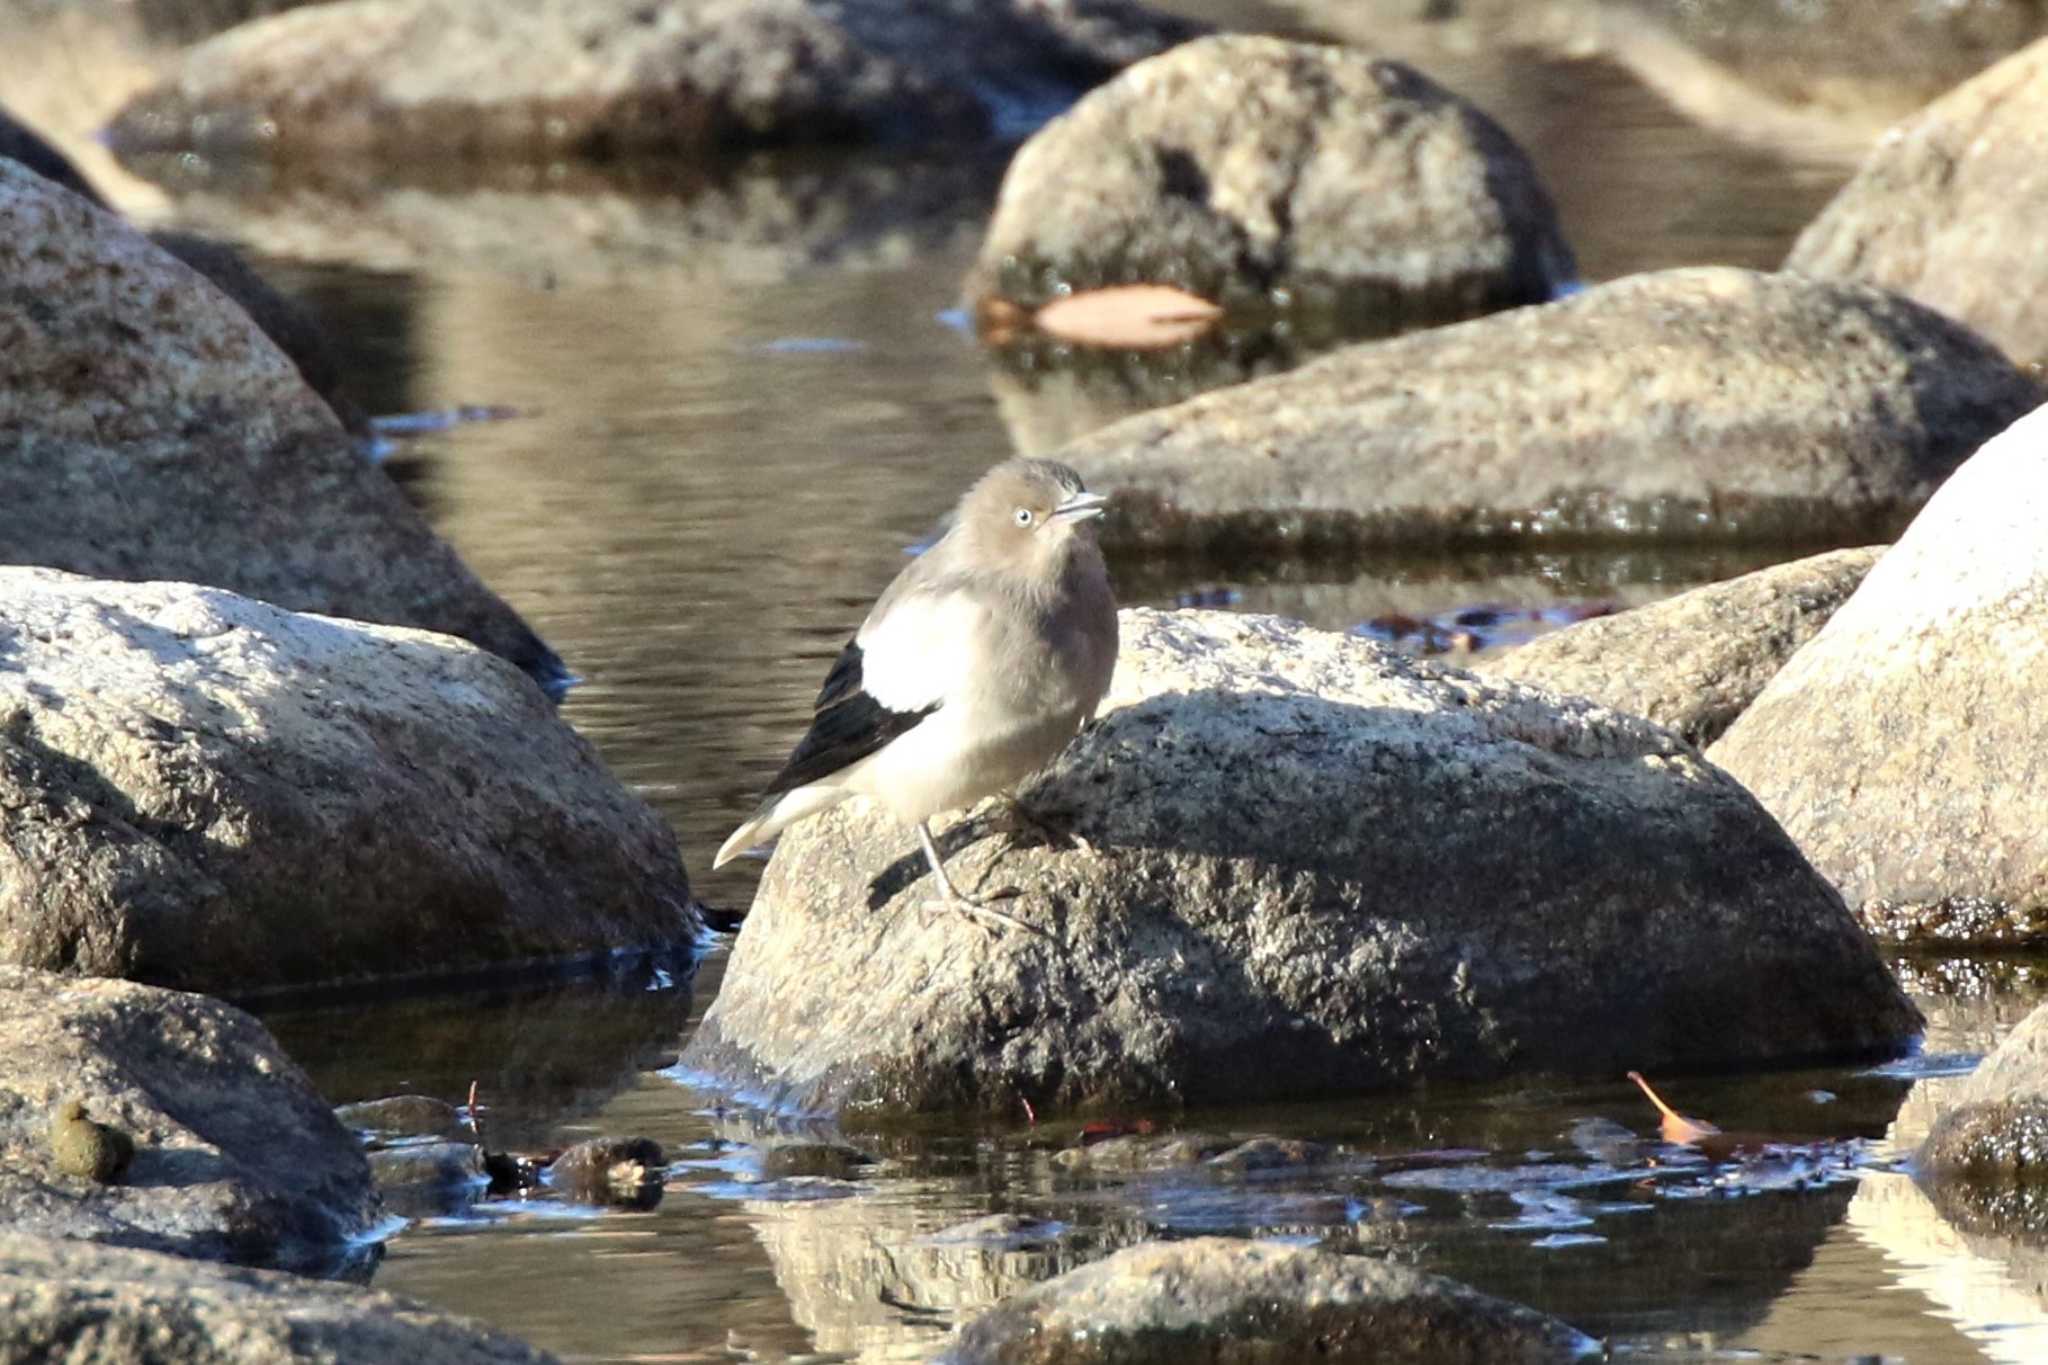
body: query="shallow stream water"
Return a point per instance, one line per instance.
(735, 401)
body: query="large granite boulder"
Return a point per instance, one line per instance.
(205, 791)
(155, 432)
(1693, 404)
(1692, 662)
(237, 1158)
(1946, 208)
(68, 1302)
(527, 78)
(1906, 748)
(1312, 867)
(1231, 1302)
(1249, 170)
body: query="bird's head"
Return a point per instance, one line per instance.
(1026, 516)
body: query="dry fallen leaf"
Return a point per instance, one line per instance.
(1136, 317)
(1674, 1126)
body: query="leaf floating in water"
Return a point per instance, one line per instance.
(1675, 1127)
(1132, 317)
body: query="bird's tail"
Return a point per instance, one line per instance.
(776, 814)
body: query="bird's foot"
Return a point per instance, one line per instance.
(1053, 830)
(982, 913)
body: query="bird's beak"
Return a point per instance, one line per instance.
(1080, 507)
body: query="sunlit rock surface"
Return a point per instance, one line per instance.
(1946, 209)
(1239, 1302)
(1906, 747)
(62, 1300)
(237, 1158)
(525, 78)
(201, 790)
(1280, 175)
(1317, 868)
(1695, 404)
(1694, 661)
(155, 432)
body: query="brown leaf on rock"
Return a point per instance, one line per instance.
(1135, 317)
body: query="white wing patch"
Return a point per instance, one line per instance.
(922, 651)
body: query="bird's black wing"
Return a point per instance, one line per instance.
(849, 725)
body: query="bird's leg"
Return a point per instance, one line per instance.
(1055, 831)
(950, 895)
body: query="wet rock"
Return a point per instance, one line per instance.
(235, 1156)
(1987, 1152)
(1905, 749)
(1270, 1154)
(1943, 209)
(611, 1170)
(67, 1301)
(428, 1164)
(544, 78)
(420, 1180)
(1217, 1299)
(22, 143)
(209, 792)
(1695, 661)
(816, 1160)
(1315, 867)
(1142, 1152)
(156, 433)
(1246, 168)
(1696, 404)
(403, 1116)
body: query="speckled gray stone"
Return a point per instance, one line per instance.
(1906, 748)
(236, 1155)
(1318, 868)
(66, 1303)
(1695, 404)
(153, 431)
(1946, 208)
(1216, 1299)
(524, 78)
(1692, 662)
(204, 791)
(1237, 166)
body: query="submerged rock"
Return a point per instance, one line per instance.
(1316, 868)
(1694, 404)
(68, 1301)
(235, 1156)
(544, 78)
(1945, 210)
(1692, 662)
(1906, 748)
(1227, 1301)
(403, 1116)
(1247, 168)
(209, 792)
(155, 432)
(611, 1170)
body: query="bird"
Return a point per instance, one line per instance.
(84, 1147)
(974, 668)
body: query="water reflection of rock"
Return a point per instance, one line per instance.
(759, 218)
(1987, 1289)
(536, 1054)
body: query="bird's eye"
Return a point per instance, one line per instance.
(1023, 516)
